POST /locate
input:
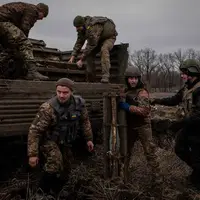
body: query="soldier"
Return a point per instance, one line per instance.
(100, 34)
(187, 146)
(135, 101)
(16, 20)
(56, 126)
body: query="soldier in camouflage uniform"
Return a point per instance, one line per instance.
(187, 146)
(56, 126)
(100, 34)
(16, 20)
(135, 101)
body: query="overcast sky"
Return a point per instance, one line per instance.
(164, 25)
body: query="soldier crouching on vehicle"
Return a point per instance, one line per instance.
(16, 20)
(54, 130)
(187, 146)
(135, 101)
(100, 33)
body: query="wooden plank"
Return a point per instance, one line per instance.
(49, 86)
(20, 100)
(16, 115)
(17, 120)
(37, 42)
(63, 71)
(14, 130)
(65, 64)
(5, 114)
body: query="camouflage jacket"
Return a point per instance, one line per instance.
(22, 15)
(44, 120)
(139, 107)
(97, 29)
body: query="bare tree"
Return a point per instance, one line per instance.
(191, 53)
(146, 60)
(167, 62)
(136, 60)
(161, 71)
(179, 57)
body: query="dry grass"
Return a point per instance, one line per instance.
(86, 182)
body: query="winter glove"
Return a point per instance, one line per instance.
(125, 106)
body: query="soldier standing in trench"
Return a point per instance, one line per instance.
(54, 130)
(16, 20)
(100, 34)
(135, 101)
(187, 146)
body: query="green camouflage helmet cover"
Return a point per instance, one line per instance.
(132, 72)
(43, 8)
(78, 21)
(190, 67)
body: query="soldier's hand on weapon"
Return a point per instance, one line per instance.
(79, 63)
(71, 60)
(90, 146)
(33, 161)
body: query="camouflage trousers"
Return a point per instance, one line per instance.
(57, 159)
(104, 48)
(12, 37)
(144, 134)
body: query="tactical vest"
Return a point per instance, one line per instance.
(109, 26)
(186, 105)
(132, 119)
(68, 124)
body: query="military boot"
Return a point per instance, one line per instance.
(193, 179)
(51, 184)
(46, 182)
(105, 79)
(33, 74)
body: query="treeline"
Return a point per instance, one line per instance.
(161, 71)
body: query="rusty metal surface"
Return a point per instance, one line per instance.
(20, 100)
